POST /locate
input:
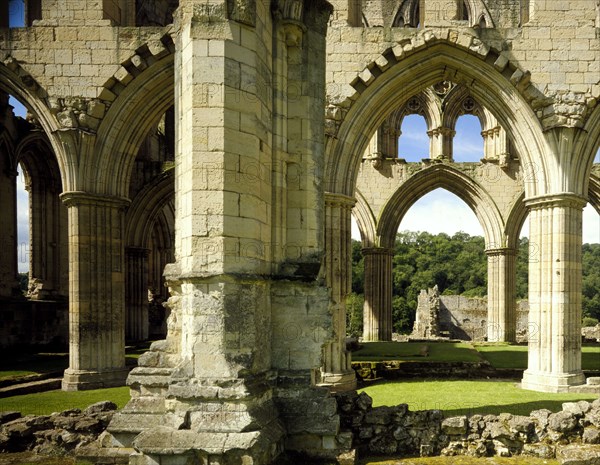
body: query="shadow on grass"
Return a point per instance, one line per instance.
(416, 351)
(465, 397)
(524, 408)
(515, 356)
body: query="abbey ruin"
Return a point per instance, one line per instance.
(222, 146)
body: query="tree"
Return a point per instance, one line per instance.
(458, 265)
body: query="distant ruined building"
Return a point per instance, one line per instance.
(221, 148)
(466, 318)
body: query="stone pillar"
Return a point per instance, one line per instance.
(136, 294)
(495, 145)
(377, 316)
(440, 143)
(502, 309)
(337, 369)
(220, 393)
(47, 232)
(9, 284)
(555, 294)
(96, 292)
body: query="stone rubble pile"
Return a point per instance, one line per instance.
(571, 435)
(58, 433)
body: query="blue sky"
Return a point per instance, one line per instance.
(441, 211)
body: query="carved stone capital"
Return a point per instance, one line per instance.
(76, 112)
(339, 200)
(566, 109)
(566, 199)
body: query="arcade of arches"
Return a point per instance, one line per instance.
(221, 148)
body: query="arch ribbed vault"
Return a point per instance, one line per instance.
(446, 177)
(15, 81)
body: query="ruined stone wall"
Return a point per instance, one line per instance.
(400, 431)
(467, 318)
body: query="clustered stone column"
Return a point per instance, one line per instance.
(554, 357)
(136, 284)
(383, 144)
(337, 369)
(440, 143)
(495, 145)
(96, 291)
(377, 317)
(502, 311)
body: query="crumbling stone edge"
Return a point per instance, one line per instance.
(572, 435)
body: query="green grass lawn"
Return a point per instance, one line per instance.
(515, 356)
(499, 355)
(467, 397)
(437, 352)
(44, 403)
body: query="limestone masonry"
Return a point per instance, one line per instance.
(222, 146)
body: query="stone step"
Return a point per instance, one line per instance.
(125, 426)
(146, 404)
(31, 387)
(105, 456)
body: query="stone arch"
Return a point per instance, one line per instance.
(493, 80)
(148, 233)
(454, 108)
(594, 193)
(366, 220)
(146, 207)
(429, 108)
(407, 15)
(48, 218)
(32, 151)
(143, 90)
(587, 143)
(515, 221)
(478, 14)
(454, 181)
(16, 81)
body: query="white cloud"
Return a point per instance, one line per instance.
(440, 211)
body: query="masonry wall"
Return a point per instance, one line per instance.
(467, 318)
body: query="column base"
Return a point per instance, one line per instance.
(338, 382)
(548, 382)
(83, 380)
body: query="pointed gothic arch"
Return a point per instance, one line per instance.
(491, 79)
(134, 112)
(454, 181)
